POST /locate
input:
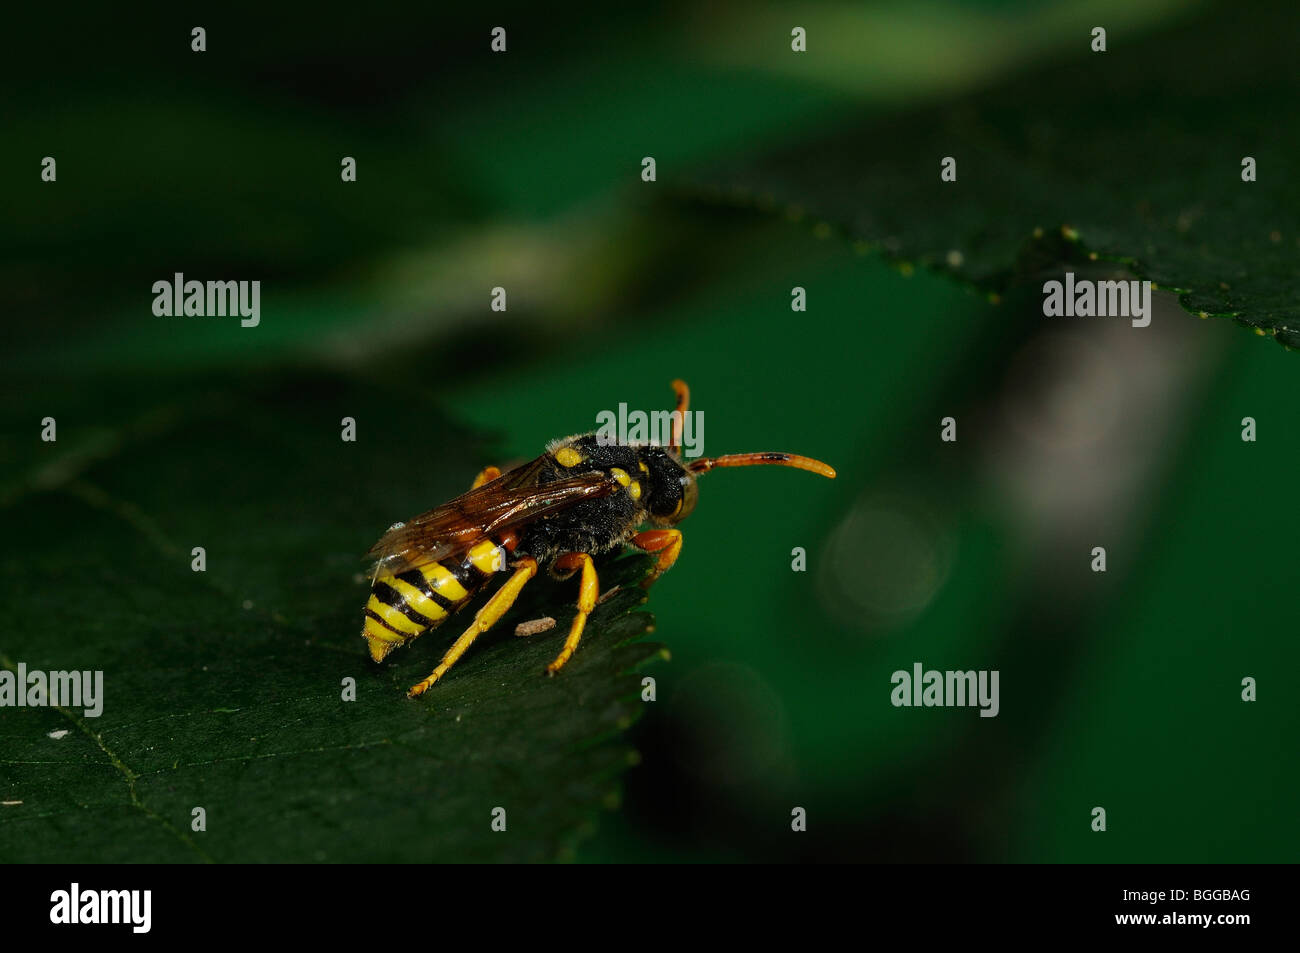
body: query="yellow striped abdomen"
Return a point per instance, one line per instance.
(408, 604)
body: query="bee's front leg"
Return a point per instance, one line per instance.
(666, 542)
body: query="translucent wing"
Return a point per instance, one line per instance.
(509, 501)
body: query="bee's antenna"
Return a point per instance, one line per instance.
(705, 464)
(679, 418)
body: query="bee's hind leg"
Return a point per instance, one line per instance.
(588, 590)
(484, 619)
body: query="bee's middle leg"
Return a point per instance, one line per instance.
(588, 590)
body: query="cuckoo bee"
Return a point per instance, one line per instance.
(579, 499)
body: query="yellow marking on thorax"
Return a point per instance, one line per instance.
(417, 600)
(633, 487)
(487, 557)
(393, 617)
(568, 457)
(442, 582)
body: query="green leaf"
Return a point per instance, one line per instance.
(223, 689)
(1131, 156)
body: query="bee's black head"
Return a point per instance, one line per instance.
(656, 476)
(672, 490)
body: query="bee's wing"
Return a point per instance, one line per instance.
(509, 501)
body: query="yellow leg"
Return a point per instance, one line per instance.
(588, 589)
(487, 475)
(486, 617)
(667, 543)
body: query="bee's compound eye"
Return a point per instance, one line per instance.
(669, 492)
(690, 494)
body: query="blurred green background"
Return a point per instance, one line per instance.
(1119, 690)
